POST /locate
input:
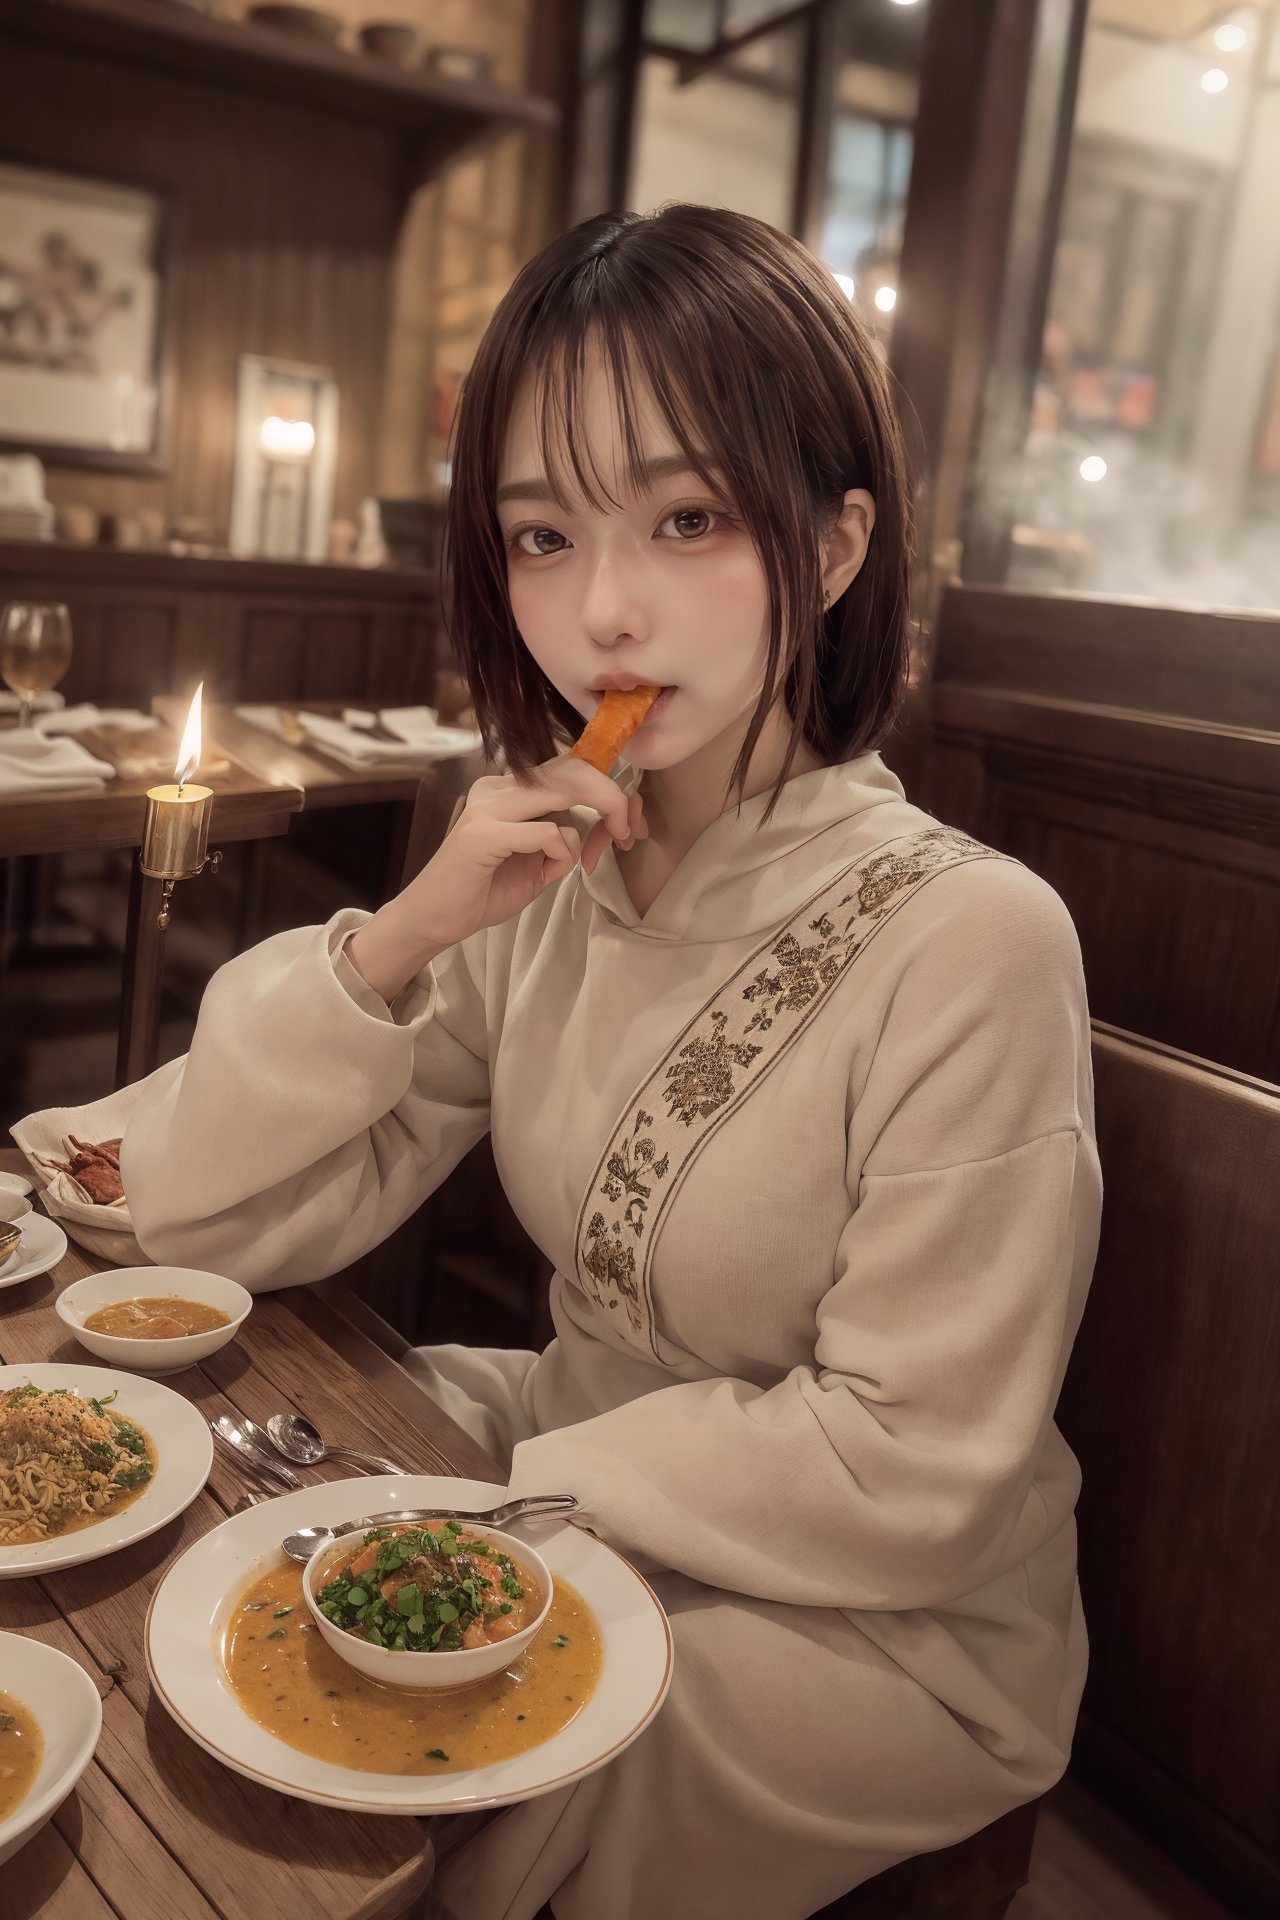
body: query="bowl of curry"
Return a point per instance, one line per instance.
(435, 1605)
(50, 1719)
(154, 1320)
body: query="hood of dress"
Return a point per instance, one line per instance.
(744, 874)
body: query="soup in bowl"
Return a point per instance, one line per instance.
(434, 1605)
(154, 1320)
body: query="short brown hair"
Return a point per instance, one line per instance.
(765, 375)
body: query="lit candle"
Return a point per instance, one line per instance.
(176, 834)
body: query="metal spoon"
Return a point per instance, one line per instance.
(301, 1545)
(296, 1438)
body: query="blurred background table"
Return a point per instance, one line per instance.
(422, 794)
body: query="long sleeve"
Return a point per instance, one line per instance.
(896, 1471)
(308, 1119)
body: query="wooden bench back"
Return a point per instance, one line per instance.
(1172, 1405)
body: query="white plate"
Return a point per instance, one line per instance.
(64, 1700)
(191, 1606)
(184, 1446)
(42, 1246)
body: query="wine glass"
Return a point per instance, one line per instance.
(35, 650)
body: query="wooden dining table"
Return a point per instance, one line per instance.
(421, 794)
(157, 1829)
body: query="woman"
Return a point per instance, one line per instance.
(791, 1083)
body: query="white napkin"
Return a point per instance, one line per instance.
(76, 719)
(31, 764)
(356, 748)
(353, 746)
(45, 1136)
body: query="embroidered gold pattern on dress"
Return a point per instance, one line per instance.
(714, 1065)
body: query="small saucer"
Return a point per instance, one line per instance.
(41, 1247)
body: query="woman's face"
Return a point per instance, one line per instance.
(667, 590)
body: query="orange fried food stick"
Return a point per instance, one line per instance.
(612, 725)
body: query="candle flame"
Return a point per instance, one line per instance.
(189, 751)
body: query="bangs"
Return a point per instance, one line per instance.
(636, 365)
(743, 347)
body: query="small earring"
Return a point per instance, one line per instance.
(826, 601)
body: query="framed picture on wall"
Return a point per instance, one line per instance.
(83, 306)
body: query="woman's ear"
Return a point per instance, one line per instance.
(847, 543)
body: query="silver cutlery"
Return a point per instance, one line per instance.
(293, 1435)
(235, 1436)
(302, 1544)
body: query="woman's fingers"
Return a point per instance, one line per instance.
(558, 784)
(594, 845)
(635, 817)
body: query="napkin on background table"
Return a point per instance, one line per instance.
(421, 739)
(77, 719)
(30, 764)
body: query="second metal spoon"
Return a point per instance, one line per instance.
(301, 1545)
(296, 1438)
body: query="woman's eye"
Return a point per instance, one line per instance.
(690, 522)
(535, 541)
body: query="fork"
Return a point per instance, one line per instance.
(236, 1437)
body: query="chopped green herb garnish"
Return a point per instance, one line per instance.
(424, 1592)
(254, 1606)
(435, 1753)
(561, 1640)
(278, 1634)
(280, 1612)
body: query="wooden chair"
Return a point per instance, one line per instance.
(974, 1880)
(1170, 1405)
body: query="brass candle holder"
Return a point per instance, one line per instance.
(175, 834)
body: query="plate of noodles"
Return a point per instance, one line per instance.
(91, 1459)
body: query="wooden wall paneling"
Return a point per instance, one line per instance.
(139, 644)
(277, 255)
(151, 623)
(401, 657)
(210, 646)
(1205, 664)
(271, 655)
(333, 642)
(1177, 933)
(1130, 755)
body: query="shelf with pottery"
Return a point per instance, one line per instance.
(438, 118)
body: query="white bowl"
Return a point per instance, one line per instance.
(64, 1700)
(396, 1669)
(76, 1303)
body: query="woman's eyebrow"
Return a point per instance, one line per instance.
(647, 475)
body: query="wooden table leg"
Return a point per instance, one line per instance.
(143, 983)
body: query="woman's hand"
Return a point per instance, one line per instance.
(499, 854)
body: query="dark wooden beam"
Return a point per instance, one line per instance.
(996, 98)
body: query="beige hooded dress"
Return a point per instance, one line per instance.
(811, 1147)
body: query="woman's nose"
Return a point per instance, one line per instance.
(612, 606)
